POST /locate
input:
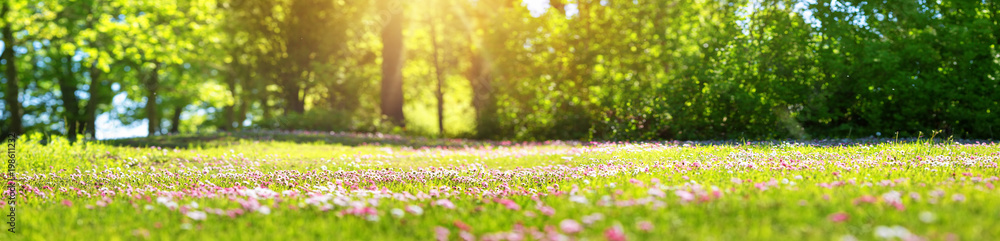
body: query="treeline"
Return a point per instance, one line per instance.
(493, 69)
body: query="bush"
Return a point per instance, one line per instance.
(314, 119)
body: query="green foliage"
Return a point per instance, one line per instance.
(767, 69)
(315, 119)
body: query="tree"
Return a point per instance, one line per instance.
(439, 93)
(392, 61)
(11, 89)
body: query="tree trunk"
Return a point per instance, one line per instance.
(291, 92)
(241, 115)
(437, 73)
(265, 107)
(479, 76)
(13, 104)
(96, 98)
(175, 120)
(482, 96)
(67, 89)
(152, 113)
(229, 110)
(392, 64)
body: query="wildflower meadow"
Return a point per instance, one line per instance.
(306, 186)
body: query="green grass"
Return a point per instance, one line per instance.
(951, 196)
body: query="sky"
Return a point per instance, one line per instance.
(538, 7)
(109, 127)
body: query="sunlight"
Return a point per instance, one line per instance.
(537, 7)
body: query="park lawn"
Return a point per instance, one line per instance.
(304, 186)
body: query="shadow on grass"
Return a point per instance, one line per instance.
(182, 141)
(218, 139)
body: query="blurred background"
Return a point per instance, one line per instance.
(503, 69)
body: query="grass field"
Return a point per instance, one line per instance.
(306, 186)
